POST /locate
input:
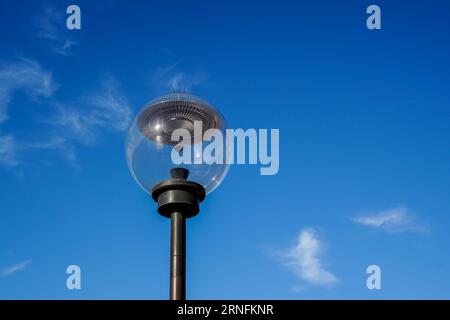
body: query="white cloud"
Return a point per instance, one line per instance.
(11, 150)
(175, 82)
(26, 75)
(108, 109)
(304, 259)
(73, 124)
(8, 151)
(173, 79)
(15, 268)
(21, 75)
(51, 26)
(392, 220)
(59, 144)
(66, 48)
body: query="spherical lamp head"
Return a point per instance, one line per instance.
(150, 145)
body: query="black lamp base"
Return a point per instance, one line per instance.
(178, 199)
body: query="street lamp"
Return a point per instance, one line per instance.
(177, 189)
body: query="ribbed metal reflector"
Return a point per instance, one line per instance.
(159, 120)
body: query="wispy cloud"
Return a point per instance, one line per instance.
(25, 75)
(60, 144)
(66, 48)
(106, 109)
(304, 259)
(110, 109)
(393, 220)
(174, 79)
(51, 26)
(68, 124)
(8, 151)
(22, 75)
(12, 151)
(15, 268)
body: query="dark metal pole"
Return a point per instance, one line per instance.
(178, 199)
(178, 257)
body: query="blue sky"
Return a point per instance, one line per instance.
(364, 119)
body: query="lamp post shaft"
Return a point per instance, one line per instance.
(178, 257)
(178, 199)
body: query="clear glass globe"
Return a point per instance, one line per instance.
(149, 145)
